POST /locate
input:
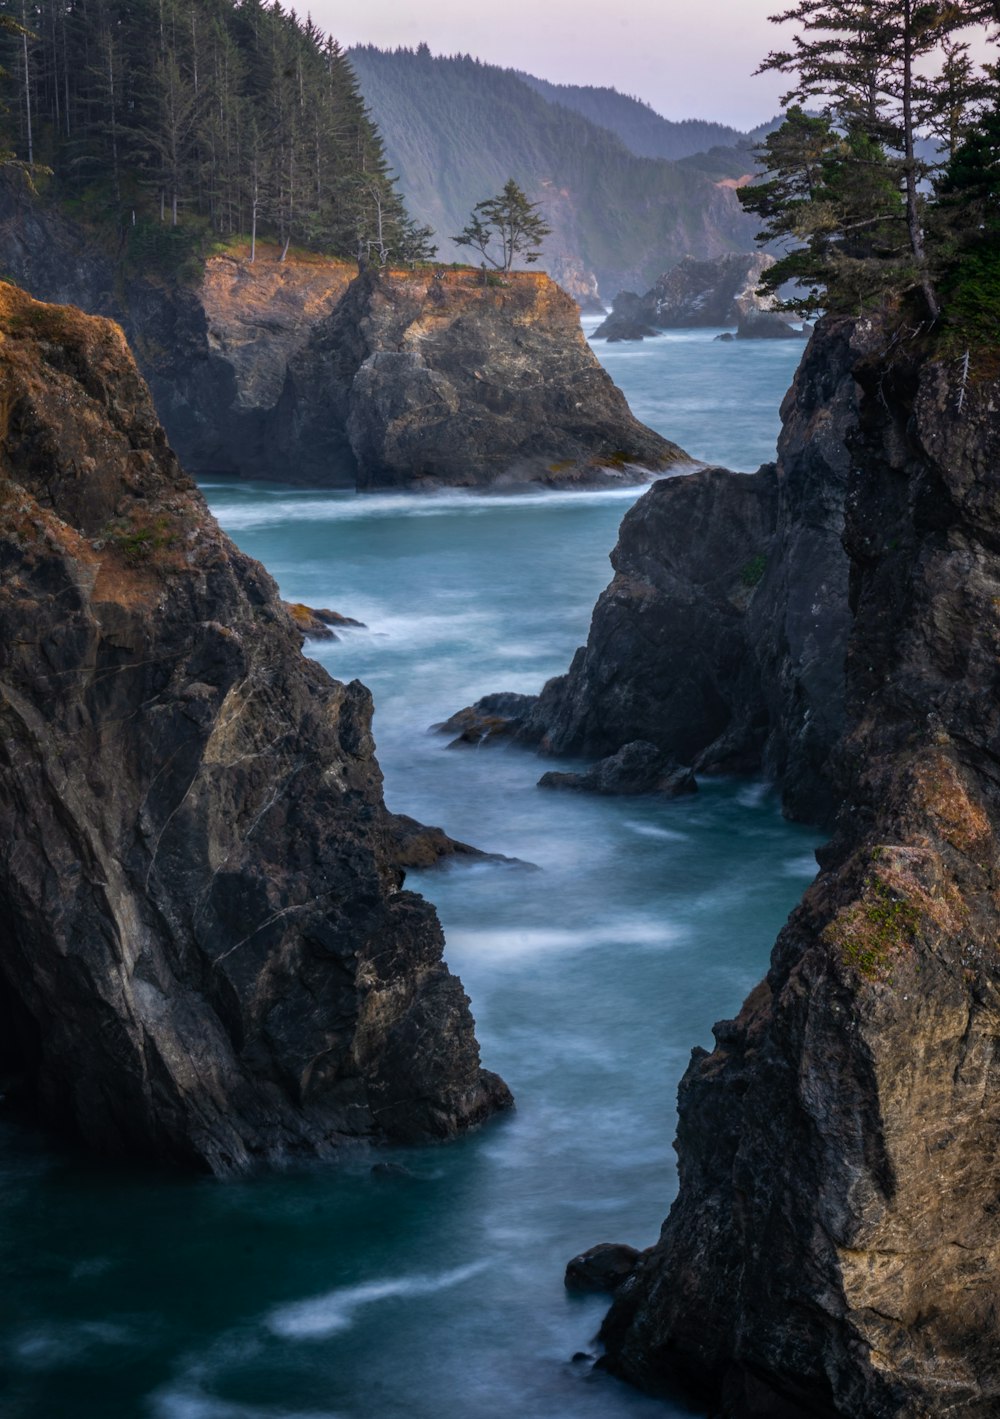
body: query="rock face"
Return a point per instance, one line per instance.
(445, 380)
(207, 955)
(302, 371)
(636, 768)
(834, 1247)
(721, 639)
(692, 293)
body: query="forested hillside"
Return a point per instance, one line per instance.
(455, 129)
(171, 119)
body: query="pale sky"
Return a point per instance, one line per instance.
(688, 58)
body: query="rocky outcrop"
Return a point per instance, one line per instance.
(693, 293)
(444, 379)
(301, 370)
(636, 768)
(834, 1247)
(206, 952)
(721, 638)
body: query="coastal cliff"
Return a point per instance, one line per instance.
(834, 1245)
(304, 370)
(444, 378)
(721, 637)
(207, 954)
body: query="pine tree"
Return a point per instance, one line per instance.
(863, 59)
(505, 228)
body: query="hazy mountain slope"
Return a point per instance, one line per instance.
(455, 129)
(643, 131)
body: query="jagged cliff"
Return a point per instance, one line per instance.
(303, 370)
(834, 1247)
(721, 637)
(205, 954)
(441, 378)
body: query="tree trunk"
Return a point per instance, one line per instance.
(910, 171)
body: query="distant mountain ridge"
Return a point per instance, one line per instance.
(644, 131)
(455, 129)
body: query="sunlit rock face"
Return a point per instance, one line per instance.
(206, 953)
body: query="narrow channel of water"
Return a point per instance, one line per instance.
(438, 1294)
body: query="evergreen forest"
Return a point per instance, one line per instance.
(175, 122)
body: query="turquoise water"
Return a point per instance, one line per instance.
(439, 1292)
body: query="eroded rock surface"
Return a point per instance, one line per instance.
(834, 1247)
(206, 952)
(721, 638)
(445, 380)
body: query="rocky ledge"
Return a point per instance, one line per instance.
(207, 953)
(834, 1246)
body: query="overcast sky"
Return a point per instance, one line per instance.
(688, 58)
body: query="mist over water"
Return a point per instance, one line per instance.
(334, 1294)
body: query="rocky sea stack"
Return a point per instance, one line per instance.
(697, 293)
(295, 368)
(834, 1247)
(207, 956)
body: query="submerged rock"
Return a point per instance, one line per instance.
(207, 956)
(769, 325)
(502, 715)
(636, 768)
(834, 1247)
(413, 844)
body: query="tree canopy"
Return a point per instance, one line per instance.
(847, 188)
(220, 116)
(505, 228)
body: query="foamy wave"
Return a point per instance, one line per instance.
(334, 1312)
(353, 507)
(193, 1404)
(511, 943)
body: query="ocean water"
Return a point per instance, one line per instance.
(437, 1292)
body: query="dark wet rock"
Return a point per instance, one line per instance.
(721, 291)
(768, 325)
(502, 715)
(721, 639)
(726, 335)
(833, 1248)
(413, 844)
(206, 953)
(604, 1267)
(636, 768)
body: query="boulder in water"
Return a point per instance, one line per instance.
(638, 767)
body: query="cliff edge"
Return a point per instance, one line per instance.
(207, 955)
(301, 369)
(834, 1246)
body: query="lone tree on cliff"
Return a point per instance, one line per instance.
(505, 227)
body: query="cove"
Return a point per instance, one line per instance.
(438, 1290)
